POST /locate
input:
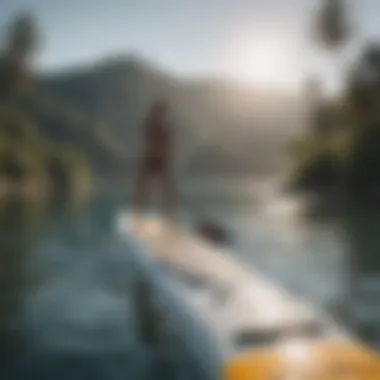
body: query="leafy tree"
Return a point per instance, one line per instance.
(28, 154)
(22, 38)
(332, 31)
(332, 25)
(17, 55)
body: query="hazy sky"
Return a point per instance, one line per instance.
(191, 37)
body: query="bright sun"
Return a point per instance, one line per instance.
(263, 63)
(265, 60)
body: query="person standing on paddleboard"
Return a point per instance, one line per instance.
(157, 159)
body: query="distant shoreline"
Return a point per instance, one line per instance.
(241, 185)
(18, 188)
(237, 186)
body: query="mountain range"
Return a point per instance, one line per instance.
(222, 127)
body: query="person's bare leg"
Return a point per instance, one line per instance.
(141, 197)
(170, 197)
(167, 243)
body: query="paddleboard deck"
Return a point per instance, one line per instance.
(240, 305)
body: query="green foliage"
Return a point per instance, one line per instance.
(22, 36)
(69, 170)
(16, 54)
(332, 28)
(44, 140)
(30, 158)
(351, 152)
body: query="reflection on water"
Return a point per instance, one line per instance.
(64, 309)
(19, 222)
(64, 275)
(363, 234)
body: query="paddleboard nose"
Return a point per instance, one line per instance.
(317, 361)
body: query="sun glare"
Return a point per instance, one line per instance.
(264, 60)
(263, 63)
